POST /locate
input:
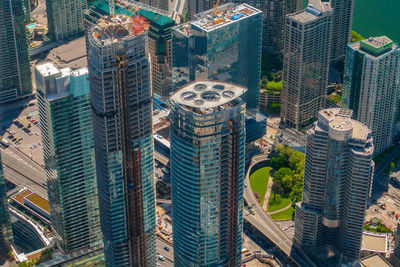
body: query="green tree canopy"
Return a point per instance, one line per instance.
(277, 163)
(281, 173)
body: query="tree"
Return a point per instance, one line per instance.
(277, 163)
(296, 161)
(287, 183)
(277, 188)
(257, 195)
(281, 173)
(392, 166)
(355, 37)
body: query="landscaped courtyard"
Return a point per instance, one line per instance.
(259, 182)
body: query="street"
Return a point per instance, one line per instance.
(168, 254)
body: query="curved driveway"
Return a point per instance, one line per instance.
(263, 223)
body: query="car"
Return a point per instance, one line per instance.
(14, 139)
(284, 228)
(247, 255)
(166, 248)
(161, 257)
(279, 224)
(245, 185)
(292, 225)
(35, 122)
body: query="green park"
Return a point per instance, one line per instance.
(280, 183)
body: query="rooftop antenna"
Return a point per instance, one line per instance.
(111, 5)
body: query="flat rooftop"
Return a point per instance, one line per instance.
(215, 18)
(374, 47)
(118, 28)
(207, 94)
(71, 54)
(374, 242)
(47, 69)
(340, 120)
(313, 11)
(39, 202)
(374, 260)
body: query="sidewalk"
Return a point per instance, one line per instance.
(268, 193)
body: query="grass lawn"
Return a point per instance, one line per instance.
(259, 181)
(283, 215)
(279, 203)
(274, 86)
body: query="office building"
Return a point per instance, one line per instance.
(207, 172)
(396, 251)
(160, 52)
(223, 45)
(306, 63)
(119, 75)
(65, 18)
(337, 183)
(197, 6)
(274, 12)
(15, 72)
(371, 86)
(5, 222)
(67, 138)
(342, 21)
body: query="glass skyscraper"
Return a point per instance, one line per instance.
(371, 86)
(5, 223)
(207, 171)
(338, 177)
(222, 45)
(15, 72)
(65, 18)
(67, 137)
(274, 12)
(121, 99)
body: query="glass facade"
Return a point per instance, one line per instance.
(229, 52)
(5, 222)
(207, 173)
(371, 86)
(67, 137)
(119, 74)
(65, 18)
(15, 72)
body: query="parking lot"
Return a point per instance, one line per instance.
(24, 133)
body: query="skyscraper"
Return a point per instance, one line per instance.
(15, 72)
(160, 51)
(119, 75)
(306, 63)
(207, 171)
(371, 86)
(65, 18)
(342, 22)
(197, 6)
(5, 223)
(223, 45)
(337, 183)
(67, 137)
(274, 12)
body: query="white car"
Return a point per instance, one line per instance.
(284, 228)
(161, 257)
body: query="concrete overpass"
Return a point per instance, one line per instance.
(265, 225)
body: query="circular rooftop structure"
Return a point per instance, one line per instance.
(207, 94)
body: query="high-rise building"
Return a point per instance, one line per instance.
(342, 22)
(5, 222)
(222, 44)
(121, 99)
(371, 86)
(160, 51)
(65, 18)
(396, 250)
(67, 137)
(274, 12)
(306, 63)
(197, 6)
(15, 72)
(207, 171)
(337, 183)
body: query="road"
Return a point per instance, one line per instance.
(22, 171)
(263, 223)
(168, 254)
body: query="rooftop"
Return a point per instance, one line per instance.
(374, 47)
(155, 17)
(215, 18)
(374, 261)
(207, 94)
(374, 242)
(71, 54)
(315, 9)
(47, 69)
(340, 120)
(79, 72)
(118, 28)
